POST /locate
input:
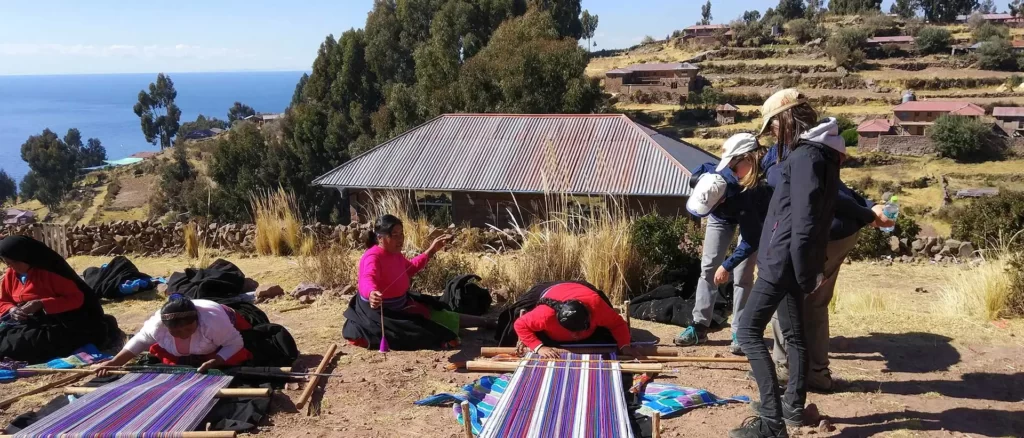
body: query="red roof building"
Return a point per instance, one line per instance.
(675, 79)
(869, 131)
(496, 169)
(915, 117)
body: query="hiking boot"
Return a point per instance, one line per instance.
(693, 335)
(793, 417)
(824, 383)
(734, 348)
(760, 427)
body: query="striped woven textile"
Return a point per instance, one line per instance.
(137, 405)
(578, 397)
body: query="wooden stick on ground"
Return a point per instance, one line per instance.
(224, 393)
(308, 392)
(467, 422)
(656, 425)
(194, 434)
(56, 383)
(492, 366)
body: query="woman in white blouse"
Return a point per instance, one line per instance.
(198, 333)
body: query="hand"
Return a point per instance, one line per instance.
(24, 311)
(101, 370)
(376, 299)
(881, 220)
(210, 364)
(551, 353)
(439, 243)
(630, 350)
(721, 276)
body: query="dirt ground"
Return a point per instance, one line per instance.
(913, 370)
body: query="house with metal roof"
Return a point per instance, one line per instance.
(1010, 119)
(674, 79)
(708, 33)
(916, 116)
(500, 169)
(870, 131)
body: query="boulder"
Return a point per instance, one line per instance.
(894, 244)
(966, 250)
(306, 289)
(918, 246)
(101, 250)
(952, 244)
(268, 292)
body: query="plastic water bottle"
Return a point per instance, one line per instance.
(891, 211)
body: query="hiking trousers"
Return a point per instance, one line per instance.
(718, 237)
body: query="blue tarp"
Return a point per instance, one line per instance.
(115, 163)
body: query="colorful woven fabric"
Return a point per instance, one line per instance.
(671, 399)
(81, 358)
(580, 397)
(140, 405)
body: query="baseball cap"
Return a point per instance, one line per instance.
(708, 193)
(781, 101)
(735, 146)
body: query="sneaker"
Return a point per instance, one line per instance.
(734, 348)
(760, 427)
(693, 335)
(793, 417)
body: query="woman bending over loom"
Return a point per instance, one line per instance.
(46, 309)
(571, 313)
(198, 333)
(410, 321)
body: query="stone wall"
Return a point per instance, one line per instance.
(908, 145)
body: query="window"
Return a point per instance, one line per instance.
(585, 209)
(435, 207)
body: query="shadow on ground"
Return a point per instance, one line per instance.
(902, 352)
(985, 422)
(976, 386)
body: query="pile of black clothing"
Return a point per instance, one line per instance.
(107, 280)
(671, 305)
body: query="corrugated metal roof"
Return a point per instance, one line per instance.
(876, 125)
(707, 26)
(953, 107)
(606, 154)
(1008, 111)
(891, 39)
(663, 66)
(727, 107)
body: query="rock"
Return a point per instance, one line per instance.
(347, 290)
(101, 250)
(938, 258)
(267, 292)
(921, 290)
(917, 246)
(966, 250)
(894, 244)
(946, 251)
(306, 289)
(307, 299)
(907, 259)
(811, 414)
(161, 289)
(825, 426)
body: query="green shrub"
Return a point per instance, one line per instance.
(934, 39)
(987, 31)
(990, 221)
(845, 47)
(442, 267)
(996, 54)
(851, 137)
(964, 138)
(1015, 274)
(667, 241)
(804, 30)
(873, 243)
(1015, 81)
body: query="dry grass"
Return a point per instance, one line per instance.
(191, 234)
(396, 203)
(858, 303)
(982, 293)
(330, 266)
(278, 224)
(668, 53)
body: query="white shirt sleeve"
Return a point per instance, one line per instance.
(223, 333)
(146, 337)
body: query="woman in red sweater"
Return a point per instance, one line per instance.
(571, 312)
(46, 309)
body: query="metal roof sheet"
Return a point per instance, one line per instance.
(876, 125)
(606, 154)
(954, 107)
(1008, 111)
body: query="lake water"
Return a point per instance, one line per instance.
(100, 106)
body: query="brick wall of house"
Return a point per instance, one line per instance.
(613, 84)
(868, 142)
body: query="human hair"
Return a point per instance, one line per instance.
(571, 314)
(178, 311)
(792, 123)
(382, 227)
(754, 176)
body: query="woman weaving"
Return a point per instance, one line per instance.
(203, 334)
(46, 309)
(410, 321)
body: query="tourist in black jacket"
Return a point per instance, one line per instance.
(791, 260)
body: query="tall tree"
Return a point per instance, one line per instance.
(790, 9)
(851, 7)
(945, 11)
(8, 188)
(904, 8)
(813, 8)
(92, 154)
(590, 26)
(158, 113)
(297, 94)
(987, 7)
(565, 13)
(239, 168)
(751, 16)
(202, 122)
(1016, 8)
(73, 139)
(705, 13)
(53, 167)
(239, 111)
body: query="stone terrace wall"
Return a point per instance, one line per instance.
(908, 145)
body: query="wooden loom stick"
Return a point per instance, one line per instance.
(492, 366)
(626, 313)
(466, 420)
(120, 371)
(308, 392)
(65, 381)
(224, 393)
(656, 426)
(648, 359)
(191, 434)
(648, 350)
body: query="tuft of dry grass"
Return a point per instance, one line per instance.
(418, 231)
(191, 240)
(858, 303)
(278, 224)
(981, 293)
(329, 266)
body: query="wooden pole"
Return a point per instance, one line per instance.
(656, 425)
(652, 359)
(492, 366)
(647, 350)
(193, 434)
(224, 393)
(467, 421)
(136, 369)
(308, 392)
(43, 388)
(626, 312)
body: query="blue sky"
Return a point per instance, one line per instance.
(105, 36)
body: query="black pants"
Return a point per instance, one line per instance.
(764, 299)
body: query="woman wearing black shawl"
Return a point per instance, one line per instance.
(46, 309)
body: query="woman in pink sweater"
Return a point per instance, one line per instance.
(385, 276)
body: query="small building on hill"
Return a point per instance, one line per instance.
(1010, 120)
(14, 216)
(501, 169)
(708, 33)
(903, 42)
(675, 78)
(869, 132)
(726, 114)
(262, 119)
(991, 18)
(915, 117)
